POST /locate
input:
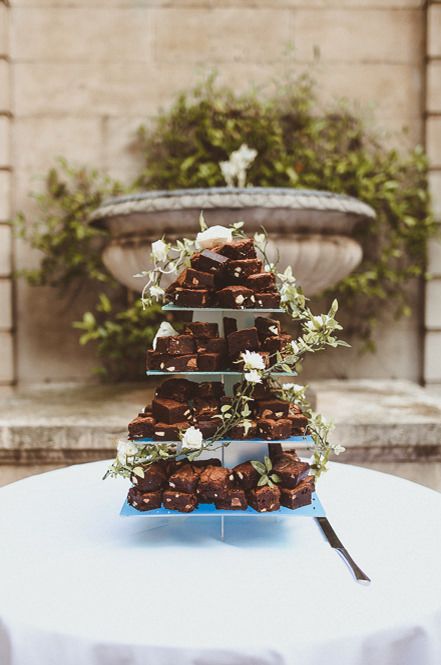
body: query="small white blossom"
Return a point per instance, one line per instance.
(253, 376)
(318, 322)
(157, 292)
(159, 250)
(294, 387)
(252, 360)
(337, 448)
(164, 330)
(192, 438)
(260, 241)
(214, 235)
(124, 450)
(295, 348)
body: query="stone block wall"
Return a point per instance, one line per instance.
(77, 78)
(432, 360)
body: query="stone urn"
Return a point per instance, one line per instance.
(312, 231)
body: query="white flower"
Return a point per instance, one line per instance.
(214, 235)
(252, 360)
(253, 376)
(294, 387)
(337, 448)
(243, 157)
(124, 450)
(229, 172)
(164, 330)
(192, 438)
(318, 322)
(159, 250)
(295, 348)
(156, 292)
(260, 241)
(287, 276)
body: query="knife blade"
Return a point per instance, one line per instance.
(336, 544)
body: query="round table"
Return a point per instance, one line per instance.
(81, 586)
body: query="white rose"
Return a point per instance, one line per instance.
(253, 376)
(159, 250)
(214, 235)
(157, 292)
(124, 450)
(252, 360)
(164, 330)
(192, 438)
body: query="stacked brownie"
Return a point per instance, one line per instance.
(182, 486)
(200, 348)
(229, 276)
(179, 403)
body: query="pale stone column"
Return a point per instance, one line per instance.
(6, 323)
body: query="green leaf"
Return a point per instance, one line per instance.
(263, 480)
(268, 463)
(259, 467)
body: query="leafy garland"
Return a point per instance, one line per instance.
(318, 332)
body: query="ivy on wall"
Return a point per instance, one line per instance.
(299, 144)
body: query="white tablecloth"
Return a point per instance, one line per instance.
(81, 586)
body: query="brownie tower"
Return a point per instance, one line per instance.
(228, 291)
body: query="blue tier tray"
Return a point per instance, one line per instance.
(315, 509)
(291, 439)
(160, 372)
(177, 308)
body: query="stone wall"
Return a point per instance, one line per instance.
(77, 78)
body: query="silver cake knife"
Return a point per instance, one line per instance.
(336, 544)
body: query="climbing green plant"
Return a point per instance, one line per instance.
(299, 143)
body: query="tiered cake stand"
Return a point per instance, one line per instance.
(232, 451)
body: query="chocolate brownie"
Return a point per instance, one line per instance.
(261, 282)
(214, 483)
(181, 390)
(155, 477)
(246, 475)
(213, 345)
(271, 408)
(235, 297)
(143, 500)
(191, 297)
(208, 261)
(210, 390)
(241, 432)
(264, 499)
(299, 423)
(267, 327)
(161, 361)
(274, 429)
(210, 362)
(290, 471)
(183, 502)
(185, 479)
(187, 363)
(141, 427)
(196, 279)
(208, 427)
(205, 408)
(301, 495)
(178, 345)
(242, 340)
(169, 411)
(202, 463)
(238, 272)
(267, 300)
(238, 249)
(230, 325)
(202, 329)
(276, 343)
(235, 499)
(169, 432)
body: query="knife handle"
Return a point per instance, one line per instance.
(359, 575)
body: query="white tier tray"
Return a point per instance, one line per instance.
(292, 439)
(160, 372)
